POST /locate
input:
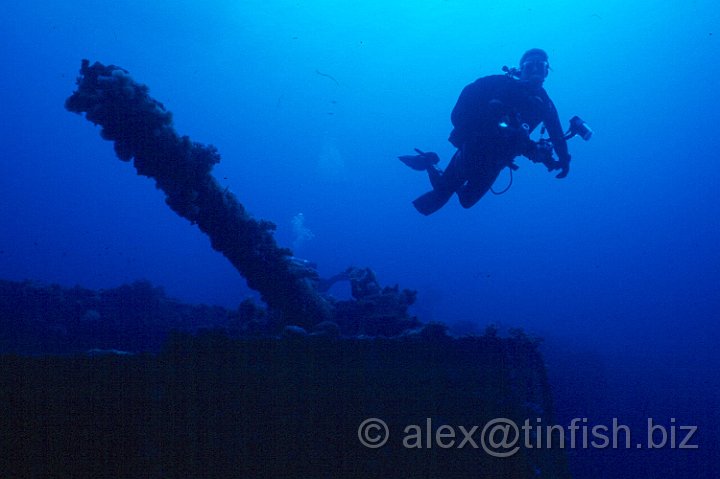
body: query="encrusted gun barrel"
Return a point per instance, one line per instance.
(141, 129)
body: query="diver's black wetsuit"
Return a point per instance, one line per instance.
(485, 148)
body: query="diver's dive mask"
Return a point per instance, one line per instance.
(535, 66)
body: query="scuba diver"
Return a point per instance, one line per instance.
(492, 121)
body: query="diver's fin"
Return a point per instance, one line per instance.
(431, 201)
(420, 162)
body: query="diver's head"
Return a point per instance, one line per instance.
(534, 66)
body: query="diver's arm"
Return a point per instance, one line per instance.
(552, 123)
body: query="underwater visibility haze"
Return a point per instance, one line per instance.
(310, 103)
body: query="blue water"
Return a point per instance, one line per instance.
(309, 103)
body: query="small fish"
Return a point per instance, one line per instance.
(327, 76)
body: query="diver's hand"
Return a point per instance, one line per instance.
(564, 167)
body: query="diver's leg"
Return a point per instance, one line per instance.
(484, 174)
(444, 185)
(450, 179)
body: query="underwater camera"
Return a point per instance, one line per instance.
(579, 127)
